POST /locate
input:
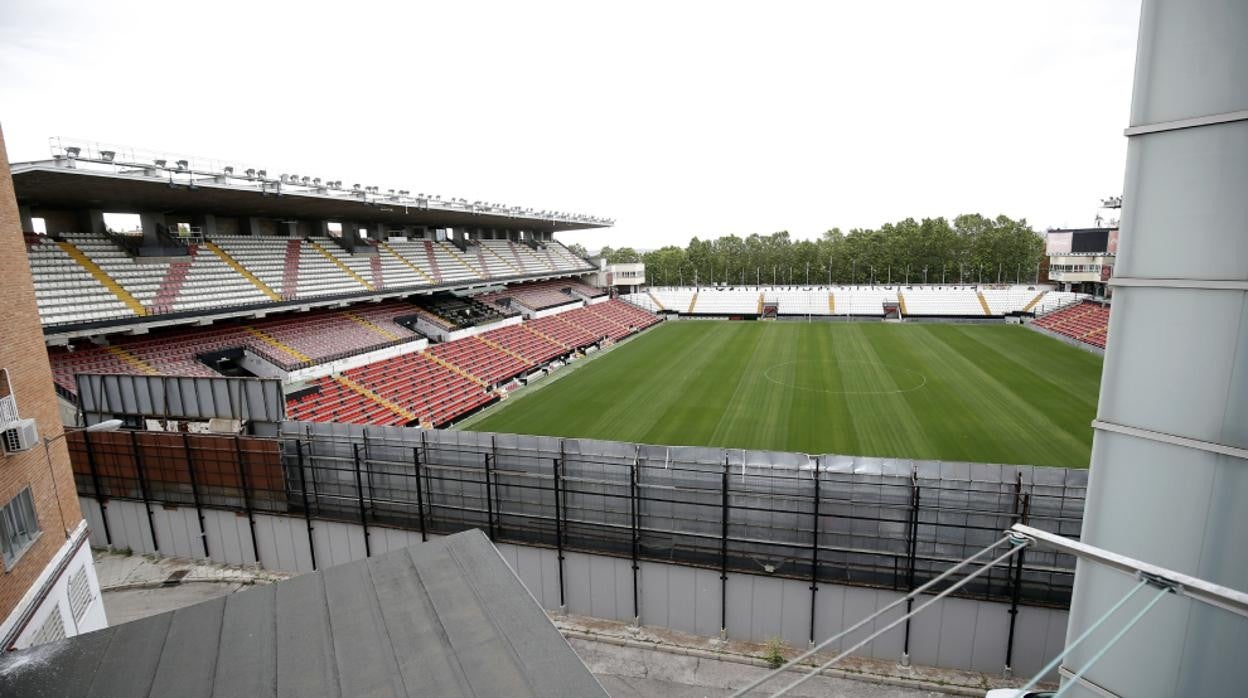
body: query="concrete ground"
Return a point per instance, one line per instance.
(630, 662)
(137, 586)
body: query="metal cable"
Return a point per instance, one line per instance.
(1112, 641)
(1018, 546)
(1091, 628)
(819, 647)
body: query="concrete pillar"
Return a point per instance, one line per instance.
(351, 239)
(151, 222)
(92, 221)
(457, 237)
(207, 223)
(25, 219)
(290, 228)
(1169, 478)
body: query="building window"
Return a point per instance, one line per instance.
(19, 527)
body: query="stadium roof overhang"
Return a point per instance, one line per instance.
(54, 185)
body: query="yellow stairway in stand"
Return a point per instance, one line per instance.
(454, 369)
(102, 276)
(655, 299)
(901, 301)
(831, 303)
(454, 253)
(692, 302)
(392, 406)
(372, 326)
(495, 345)
(983, 303)
(133, 360)
(341, 265)
(617, 323)
(760, 303)
(543, 335)
(503, 260)
(255, 281)
(395, 253)
(273, 342)
(1034, 301)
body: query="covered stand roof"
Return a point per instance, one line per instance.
(442, 618)
(73, 185)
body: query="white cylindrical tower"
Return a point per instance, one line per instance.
(1169, 480)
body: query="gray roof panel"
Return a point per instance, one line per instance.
(442, 618)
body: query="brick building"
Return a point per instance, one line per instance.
(48, 588)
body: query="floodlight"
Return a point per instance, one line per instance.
(262, 173)
(251, 172)
(107, 155)
(73, 151)
(183, 164)
(229, 169)
(161, 163)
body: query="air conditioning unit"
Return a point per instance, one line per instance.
(21, 435)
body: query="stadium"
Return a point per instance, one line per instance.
(448, 425)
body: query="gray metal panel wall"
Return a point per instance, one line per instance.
(1177, 361)
(956, 633)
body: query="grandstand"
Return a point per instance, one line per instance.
(861, 301)
(1085, 321)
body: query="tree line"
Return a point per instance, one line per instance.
(970, 249)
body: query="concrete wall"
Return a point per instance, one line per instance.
(955, 633)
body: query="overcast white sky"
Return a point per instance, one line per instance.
(676, 118)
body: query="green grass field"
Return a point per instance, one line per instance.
(988, 393)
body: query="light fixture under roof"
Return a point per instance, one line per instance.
(73, 151)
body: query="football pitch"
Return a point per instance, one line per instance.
(987, 393)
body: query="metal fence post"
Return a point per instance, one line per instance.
(563, 606)
(244, 487)
(489, 499)
(814, 556)
(147, 498)
(912, 546)
(634, 509)
(199, 509)
(307, 510)
(1017, 584)
(359, 490)
(723, 553)
(420, 495)
(95, 484)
